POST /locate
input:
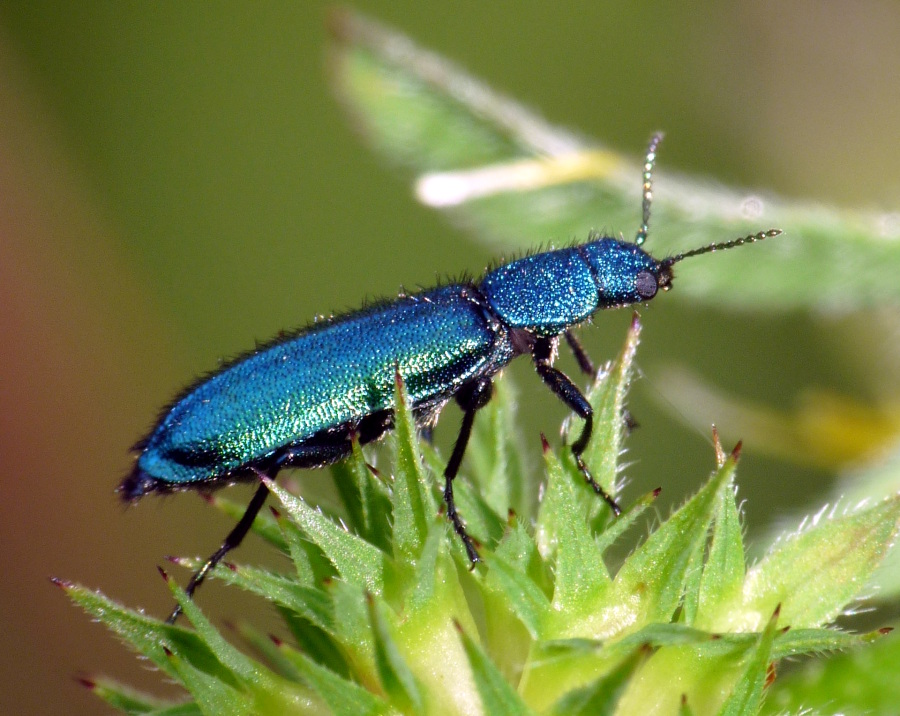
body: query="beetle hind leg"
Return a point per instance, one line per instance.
(231, 541)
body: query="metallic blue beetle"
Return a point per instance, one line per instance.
(300, 400)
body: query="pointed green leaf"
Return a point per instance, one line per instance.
(567, 504)
(269, 649)
(607, 398)
(259, 682)
(310, 565)
(815, 572)
(310, 603)
(524, 597)
(353, 627)
(690, 600)
(482, 524)
(147, 635)
(581, 577)
(365, 498)
(723, 573)
(413, 504)
(356, 560)
(327, 649)
(435, 587)
(650, 583)
(795, 642)
(518, 548)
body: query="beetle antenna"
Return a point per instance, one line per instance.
(771, 233)
(647, 188)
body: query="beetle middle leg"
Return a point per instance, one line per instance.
(587, 366)
(565, 390)
(471, 398)
(584, 360)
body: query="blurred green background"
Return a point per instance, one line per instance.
(176, 181)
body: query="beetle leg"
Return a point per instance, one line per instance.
(234, 538)
(565, 390)
(471, 399)
(584, 360)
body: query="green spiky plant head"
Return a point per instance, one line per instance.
(387, 616)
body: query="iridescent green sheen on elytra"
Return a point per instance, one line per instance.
(333, 374)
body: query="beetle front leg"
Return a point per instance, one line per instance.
(563, 387)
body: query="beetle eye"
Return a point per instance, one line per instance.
(645, 284)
